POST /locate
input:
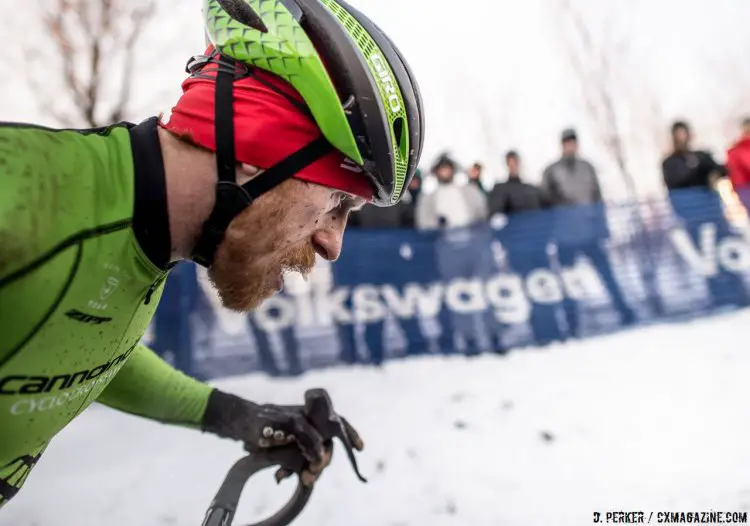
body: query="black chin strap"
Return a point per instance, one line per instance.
(231, 198)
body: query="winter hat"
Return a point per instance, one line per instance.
(271, 122)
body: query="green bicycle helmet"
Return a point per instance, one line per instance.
(354, 81)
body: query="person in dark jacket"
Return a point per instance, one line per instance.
(691, 176)
(514, 195)
(686, 167)
(372, 217)
(410, 199)
(400, 215)
(376, 217)
(524, 238)
(415, 186)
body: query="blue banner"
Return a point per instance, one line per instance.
(523, 280)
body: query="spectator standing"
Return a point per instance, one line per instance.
(580, 229)
(475, 176)
(410, 198)
(524, 238)
(400, 215)
(462, 250)
(371, 217)
(451, 205)
(738, 164)
(415, 186)
(686, 167)
(690, 177)
(571, 180)
(514, 195)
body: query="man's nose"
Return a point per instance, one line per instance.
(328, 242)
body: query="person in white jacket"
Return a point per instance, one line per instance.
(462, 250)
(451, 204)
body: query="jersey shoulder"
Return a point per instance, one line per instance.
(58, 185)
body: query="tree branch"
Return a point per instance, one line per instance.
(90, 40)
(139, 19)
(599, 62)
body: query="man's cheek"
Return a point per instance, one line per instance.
(302, 230)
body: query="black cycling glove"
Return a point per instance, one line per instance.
(268, 425)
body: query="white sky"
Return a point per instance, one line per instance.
(497, 61)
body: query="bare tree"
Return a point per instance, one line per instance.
(600, 47)
(601, 56)
(81, 73)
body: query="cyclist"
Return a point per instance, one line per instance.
(299, 112)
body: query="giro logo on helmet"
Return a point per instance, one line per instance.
(387, 81)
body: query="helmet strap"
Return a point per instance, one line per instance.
(231, 198)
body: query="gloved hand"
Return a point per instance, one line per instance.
(266, 426)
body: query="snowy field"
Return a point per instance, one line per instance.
(654, 419)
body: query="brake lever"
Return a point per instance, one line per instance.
(319, 410)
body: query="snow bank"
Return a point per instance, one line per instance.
(653, 419)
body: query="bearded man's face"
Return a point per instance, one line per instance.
(282, 231)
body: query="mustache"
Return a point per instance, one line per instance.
(300, 259)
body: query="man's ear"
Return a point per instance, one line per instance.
(246, 172)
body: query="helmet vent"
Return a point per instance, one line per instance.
(398, 133)
(243, 13)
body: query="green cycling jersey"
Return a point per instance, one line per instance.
(84, 251)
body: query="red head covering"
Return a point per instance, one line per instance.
(268, 127)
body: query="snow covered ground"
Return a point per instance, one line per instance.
(654, 419)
